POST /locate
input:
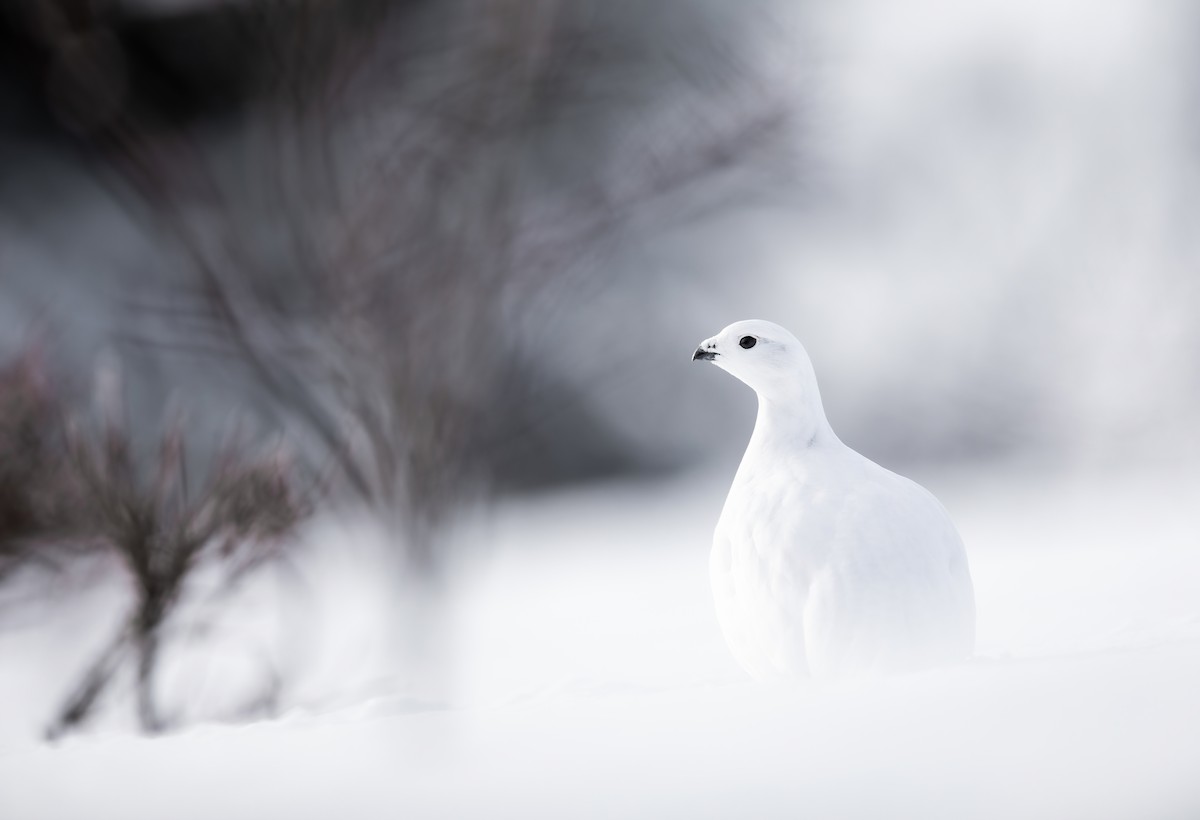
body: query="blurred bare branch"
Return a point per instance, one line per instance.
(39, 511)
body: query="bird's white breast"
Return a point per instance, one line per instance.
(824, 563)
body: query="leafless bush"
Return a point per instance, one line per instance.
(66, 488)
(162, 529)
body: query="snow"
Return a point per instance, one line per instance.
(589, 679)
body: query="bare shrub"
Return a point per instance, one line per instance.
(66, 489)
(69, 484)
(162, 530)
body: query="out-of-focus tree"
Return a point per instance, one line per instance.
(403, 192)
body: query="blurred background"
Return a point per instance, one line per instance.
(305, 288)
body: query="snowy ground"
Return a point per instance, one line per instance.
(589, 680)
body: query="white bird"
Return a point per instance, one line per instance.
(825, 564)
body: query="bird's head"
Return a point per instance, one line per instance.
(763, 355)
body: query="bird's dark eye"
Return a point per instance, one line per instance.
(747, 342)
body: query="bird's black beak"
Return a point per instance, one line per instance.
(704, 355)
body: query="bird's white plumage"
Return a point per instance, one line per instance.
(823, 562)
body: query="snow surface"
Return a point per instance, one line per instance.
(588, 678)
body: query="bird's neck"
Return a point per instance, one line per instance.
(792, 424)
